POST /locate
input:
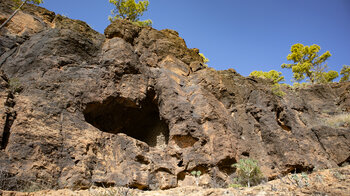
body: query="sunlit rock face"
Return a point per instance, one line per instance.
(136, 108)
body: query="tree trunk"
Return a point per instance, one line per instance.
(13, 14)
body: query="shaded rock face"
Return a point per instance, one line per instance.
(135, 108)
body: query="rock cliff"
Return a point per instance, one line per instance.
(136, 108)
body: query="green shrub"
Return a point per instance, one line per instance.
(145, 23)
(248, 172)
(15, 85)
(276, 89)
(345, 72)
(301, 180)
(273, 75)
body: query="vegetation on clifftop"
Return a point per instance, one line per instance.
(308, 63)
(130, 10)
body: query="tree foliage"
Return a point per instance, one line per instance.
(205, 59)
(248, 171)
(37, 2)
(345, 71)
(307, 62)
(130, 10)
(273, 75)
(327, 77)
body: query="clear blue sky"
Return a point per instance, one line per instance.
(245, 35)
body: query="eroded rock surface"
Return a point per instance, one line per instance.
(136, 108)
(326, 182)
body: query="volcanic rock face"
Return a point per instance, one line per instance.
(136, 108)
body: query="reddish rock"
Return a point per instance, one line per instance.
(136, 108)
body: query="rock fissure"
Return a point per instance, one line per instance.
(281, 122)
(61, 150)
(6, 55)
(10, 117)
(320, 142)
(344, 163)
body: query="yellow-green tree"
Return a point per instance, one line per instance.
(130, 10)
(327, 77)
(248, 172)
(345, 71)
(20, 4)
(273, 75)
(205, 59)
(308, 63)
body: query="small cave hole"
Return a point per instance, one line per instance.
(246, 154)
(135, 185)
(184, 141)
(225, 165)
(104, 184)
(203, 168)
(141, 159)
(297, 169)
(120, 115)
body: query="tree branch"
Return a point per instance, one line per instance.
(13, 14)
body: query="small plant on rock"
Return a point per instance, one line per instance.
(300, 181)
(15, 85)
(235, 183)
(276, 90)
(248, 172)
(272, 75)
(196, 174)
(275, 77)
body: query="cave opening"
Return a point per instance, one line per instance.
(120, 115)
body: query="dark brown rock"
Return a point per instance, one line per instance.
(133, 108)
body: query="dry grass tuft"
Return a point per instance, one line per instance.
(341, 120)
